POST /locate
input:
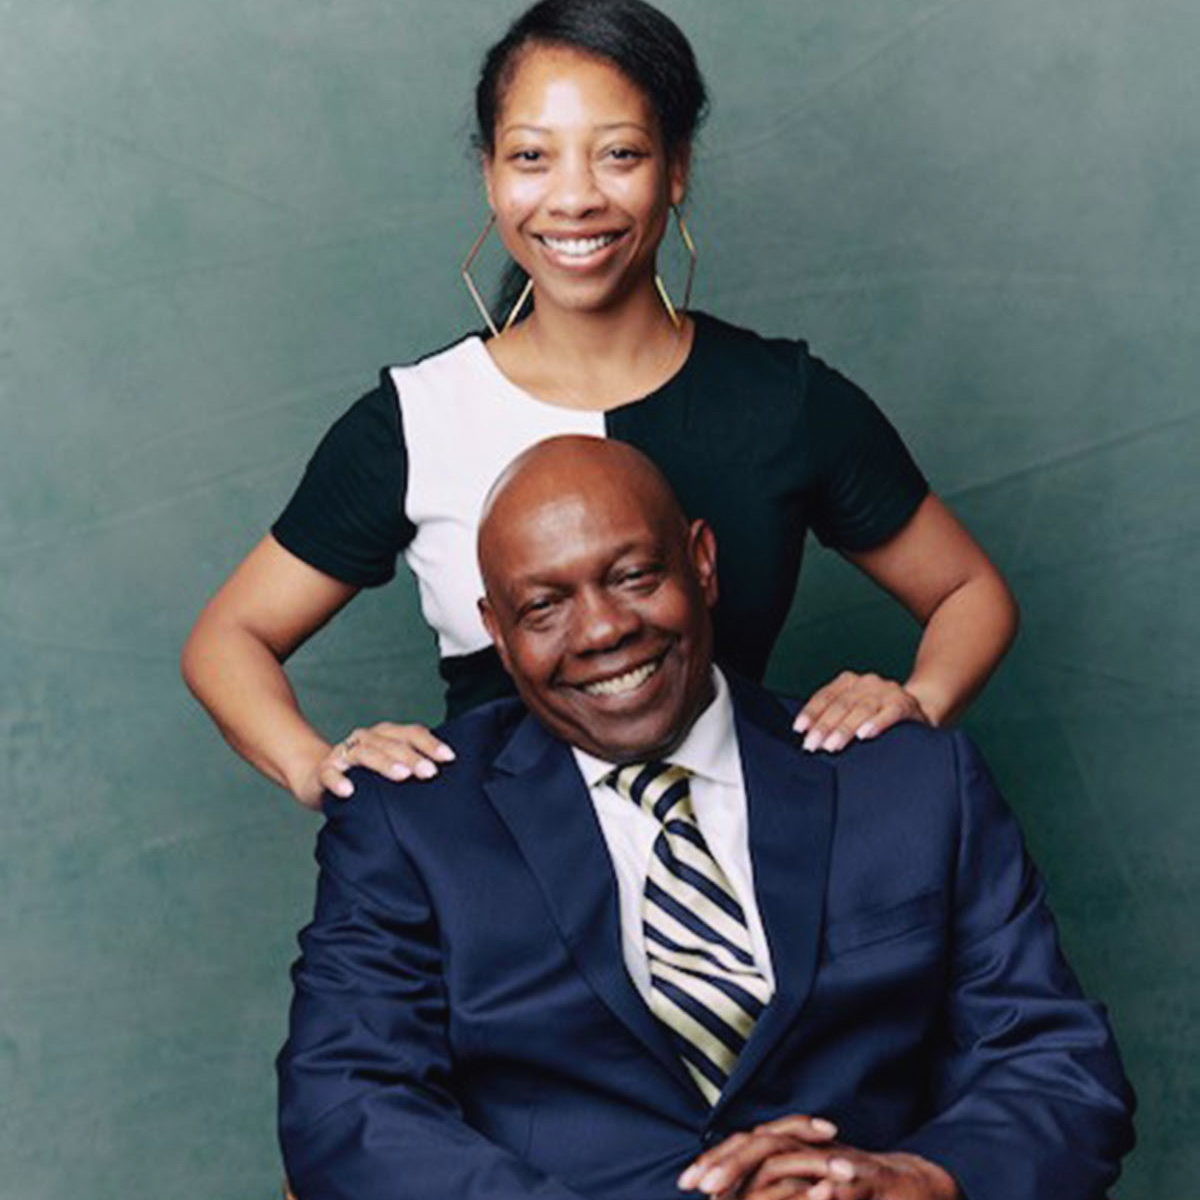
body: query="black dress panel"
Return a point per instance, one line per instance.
(764, 441)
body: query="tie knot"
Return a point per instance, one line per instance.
(659, 788)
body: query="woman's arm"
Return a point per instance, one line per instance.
(233, 664)
(941, 575)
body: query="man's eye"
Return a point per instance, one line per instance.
(538, 610)
(640, 577)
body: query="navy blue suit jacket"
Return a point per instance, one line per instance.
(464, 1027)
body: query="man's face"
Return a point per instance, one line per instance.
(598, 603)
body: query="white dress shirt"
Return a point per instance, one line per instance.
(718, 790)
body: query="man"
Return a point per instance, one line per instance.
(635, 940)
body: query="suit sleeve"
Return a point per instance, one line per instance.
(367, 1107)
(1034, 1101)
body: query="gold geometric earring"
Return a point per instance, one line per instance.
(690, 246)
(483, 308)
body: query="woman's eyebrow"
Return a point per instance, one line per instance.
(526, 127)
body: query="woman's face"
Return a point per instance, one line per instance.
(579, 179)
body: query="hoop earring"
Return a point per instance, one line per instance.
(690, 246)
(483, 308)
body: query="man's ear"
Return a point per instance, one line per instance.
(702, 552)
(488, 616)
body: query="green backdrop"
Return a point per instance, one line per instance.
(219, 219)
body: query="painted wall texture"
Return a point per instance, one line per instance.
(218, 220)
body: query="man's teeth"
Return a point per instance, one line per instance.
(622, 683)
(580, 247)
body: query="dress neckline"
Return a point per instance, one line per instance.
(515, 392)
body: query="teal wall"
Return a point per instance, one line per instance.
(217, 220)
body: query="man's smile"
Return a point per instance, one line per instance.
(623, 684)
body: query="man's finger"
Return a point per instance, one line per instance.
(813, 1163)
(732, 1162)
(782, 1189)
(812, 1129)
(690, 1179)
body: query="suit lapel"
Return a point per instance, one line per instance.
(790, 801)
(541, 797)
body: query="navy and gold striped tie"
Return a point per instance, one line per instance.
(705, 986)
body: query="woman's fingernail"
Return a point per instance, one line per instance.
(444, 754)
(688, 1180)
(398, 771)
(713, 1182)
(835, 741)
(344, 789)
(823, 1127)
(802, 723)
(424, 769)
(866, 730)
(812, 741)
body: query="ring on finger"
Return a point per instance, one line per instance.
(351, 742)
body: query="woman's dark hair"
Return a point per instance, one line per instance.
(641, 42)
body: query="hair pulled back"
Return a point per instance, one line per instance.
(643, 43)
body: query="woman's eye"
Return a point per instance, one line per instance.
(526, 157)
(625, 154)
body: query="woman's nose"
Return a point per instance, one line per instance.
(575, 192)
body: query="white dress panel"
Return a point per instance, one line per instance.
(464, 421)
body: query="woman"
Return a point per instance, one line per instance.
(586, 114)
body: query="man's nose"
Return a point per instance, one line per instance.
(602, 623)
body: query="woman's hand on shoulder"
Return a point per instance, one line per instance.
(855, 707)
(394, 751)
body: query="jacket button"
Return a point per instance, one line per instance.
(710, 1138)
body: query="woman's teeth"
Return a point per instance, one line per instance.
(579, 247)
(622, 683)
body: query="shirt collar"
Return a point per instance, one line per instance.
(709, 749)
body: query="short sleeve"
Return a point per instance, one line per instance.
(347, 516)
(866, 484)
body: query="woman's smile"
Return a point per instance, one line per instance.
(580, 253)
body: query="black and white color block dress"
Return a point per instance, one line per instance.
(756, 435)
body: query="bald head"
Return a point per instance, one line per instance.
(573, 469)
(597, 596)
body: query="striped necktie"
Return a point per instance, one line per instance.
(704, 985)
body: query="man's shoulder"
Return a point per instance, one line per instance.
(479, 734)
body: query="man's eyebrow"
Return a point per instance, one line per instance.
(549, 579)
(518, 589)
